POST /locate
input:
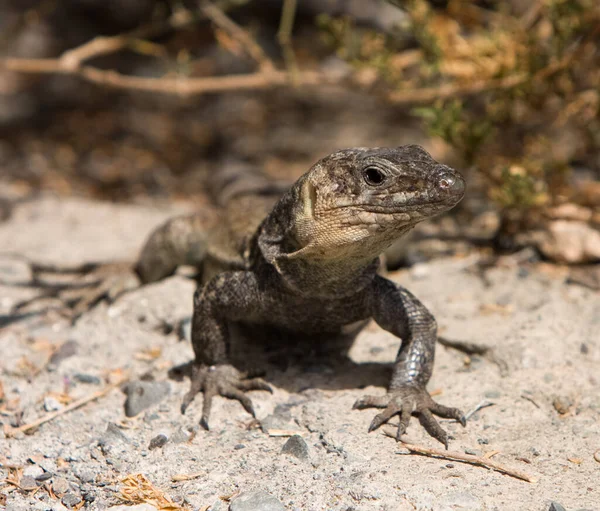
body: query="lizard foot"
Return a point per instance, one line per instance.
(221, 380)
(408, 400)
(84, 287)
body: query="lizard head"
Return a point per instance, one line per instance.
(359, 201)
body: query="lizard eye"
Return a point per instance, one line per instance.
(373, 176)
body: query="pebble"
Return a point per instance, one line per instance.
(111, 437)
(33, 471)
(555, 506)
(493, 394)
(144, 394)
(68, 349)
(60, 485)
(71, 500)
(158, 441)
(256, 501)
(43, 477)
(562, 404)
(87, 378)
(28, 483)
(185, 329)
(181, 436)
(86, 475)
(296, 446)
(51, 404)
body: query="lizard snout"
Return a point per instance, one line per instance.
(451, 183)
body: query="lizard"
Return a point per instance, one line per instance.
(304, 266)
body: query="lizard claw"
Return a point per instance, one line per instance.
(221, 380)
(406, 401)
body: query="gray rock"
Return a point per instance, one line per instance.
(51, 404)
(256, 501)
(28, 483)
(87, 378)
(144, 394)
(86, 475)
(71, 500)
(33, 471)
(181, 436)
(296, 446)
(60, 485)
(158, 441)
(66, 350)
(44, 476)
(555, 506)
(111, 438)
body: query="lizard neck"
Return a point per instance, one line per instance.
(323, 278)
(305, 270)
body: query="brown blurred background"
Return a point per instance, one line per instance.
(145, 100)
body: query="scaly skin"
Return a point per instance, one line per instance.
(311, 268)
(301, 266)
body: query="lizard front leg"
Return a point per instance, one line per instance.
(399, 312)
(231, 296)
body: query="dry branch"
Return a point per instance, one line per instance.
(73, 406)
(466, 458)
(219, 18)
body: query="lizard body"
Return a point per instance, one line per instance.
(310, 268)
(303, 266)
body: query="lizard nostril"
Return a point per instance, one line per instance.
(446, 182)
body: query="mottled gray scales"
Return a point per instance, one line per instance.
(310, 268)
(300, 264)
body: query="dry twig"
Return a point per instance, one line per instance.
(73, 406)
(466, 458)
(219, 18)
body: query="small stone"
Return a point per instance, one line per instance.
(492, 394)
(112, 437)
(562, 404)
(181, 436)
(33, 471)
(237, 447)
(473, 452)
(60, 486)
(28, 483)
(555, 506)
(66, 350)
(51, 404)
(584, 348)
(71, 500)
(158, 441)
(143, 394)
(88, 496)
(43, 477)
(256, 501)
(87, 378)
(296, 446)
(86, 475)
(184, 330)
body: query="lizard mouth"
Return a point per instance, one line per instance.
(401, 208)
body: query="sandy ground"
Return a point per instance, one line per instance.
(545, 330)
